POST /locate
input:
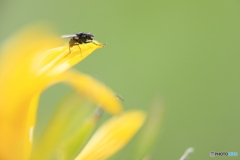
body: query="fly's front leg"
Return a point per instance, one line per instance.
(79, 48)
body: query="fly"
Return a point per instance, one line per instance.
(79, 38)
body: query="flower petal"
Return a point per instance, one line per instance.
(94, 90)
(112, 136)
(18, 88)
(70, 125)
(58, 60)
(26, 69)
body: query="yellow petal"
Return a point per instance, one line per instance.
(58, 60)
(67, 129)
(27, 67)
(94, 90)
(112, 136)
(19, 87)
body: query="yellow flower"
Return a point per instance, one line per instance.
(30, 62)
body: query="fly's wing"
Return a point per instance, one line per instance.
(68, 36)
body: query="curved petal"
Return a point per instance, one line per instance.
(18, 88)
(67, 130)
(93, 90)
(112, 136)
(58, 60)
(27, 68)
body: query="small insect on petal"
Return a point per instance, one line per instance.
(79, 38)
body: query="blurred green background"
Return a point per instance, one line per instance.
(185, 51)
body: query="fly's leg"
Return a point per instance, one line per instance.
(95, 43)
(69, 50)
(72, 46)
(79, 49)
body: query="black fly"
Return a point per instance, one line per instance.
(79, 38)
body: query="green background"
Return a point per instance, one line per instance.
(185, 51)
